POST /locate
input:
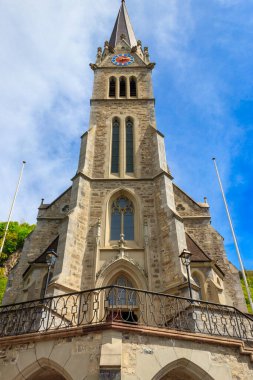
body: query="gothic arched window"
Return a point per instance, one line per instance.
(112, 87)
(129, 146)
(122, 87)
(133, 87)
(123, 296)
(122, 219)
(115, 146)
(123, 300)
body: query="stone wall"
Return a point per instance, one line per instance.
(152, 208)
(197, 225)
(137, 355)
(144, 357)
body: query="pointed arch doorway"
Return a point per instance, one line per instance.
(46, 374)
(182, 369)
(179, 375)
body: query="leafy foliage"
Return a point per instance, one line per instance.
(17, 232)
(15, 238)
(3, 282)
(249, 275)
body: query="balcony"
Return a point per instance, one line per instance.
(128, 307)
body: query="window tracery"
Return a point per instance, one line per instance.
(122, 219)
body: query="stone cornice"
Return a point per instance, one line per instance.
(211, 264)
(127, 328)
(194, 217)
(149, 66)
(84, 176)
(123, 100)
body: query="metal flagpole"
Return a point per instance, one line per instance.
(12, 206)
(234, 237)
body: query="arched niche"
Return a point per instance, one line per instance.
(125, 268)
(182, 369)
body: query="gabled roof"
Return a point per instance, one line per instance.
(197, 253)
(42, 258)
(123, 26)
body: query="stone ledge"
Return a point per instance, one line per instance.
(143, 330)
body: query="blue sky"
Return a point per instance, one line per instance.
(203, 83)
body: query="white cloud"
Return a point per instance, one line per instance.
(46, 47)
(204, 61)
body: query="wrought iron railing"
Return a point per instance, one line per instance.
(129, 306)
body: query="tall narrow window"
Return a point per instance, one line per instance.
(133, 87)
(122, 86)
(112, 87)
(115, 146)
(198, 282)
(122, 219)
(129, 146)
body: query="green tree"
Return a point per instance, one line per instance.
(17, 232)
(249, 275)
(3, 283)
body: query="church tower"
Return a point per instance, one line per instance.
(101, 291)
(124, 221)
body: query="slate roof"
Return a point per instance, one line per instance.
(198, 255)
(123, 26)
(42, 257)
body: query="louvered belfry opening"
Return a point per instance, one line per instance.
(122, 87)
(133, 87)
(112, 87)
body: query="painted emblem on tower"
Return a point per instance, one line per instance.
(122, 59)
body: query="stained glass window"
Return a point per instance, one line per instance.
(129, 146)
(122, 87)
(122, 219)
(112, 88)
(133, 89)
(115, 147)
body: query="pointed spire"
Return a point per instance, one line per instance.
(123, 27)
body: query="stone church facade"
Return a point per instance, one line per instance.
(115, 304)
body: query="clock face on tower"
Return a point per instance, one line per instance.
(123, 59)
